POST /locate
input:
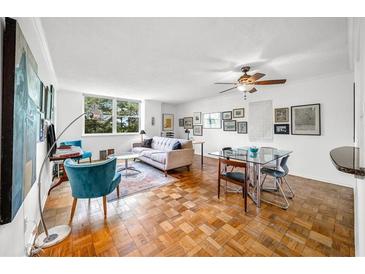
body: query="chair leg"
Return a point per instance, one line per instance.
(290, 189)
(219, 187)
(104, 206)
(73, 208)
(263, 181)
(188, 168)
(118, 191)
(286, 206)
(165, 173)
(90, 160)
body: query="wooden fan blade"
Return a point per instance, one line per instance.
(225, 83)
(252, 90)
(271, 82)
(255, 77)
(227, 89)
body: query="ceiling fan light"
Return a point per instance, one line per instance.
(241, 88)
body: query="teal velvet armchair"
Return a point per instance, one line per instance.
(78, 143)
(92, 180)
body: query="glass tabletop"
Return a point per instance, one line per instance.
(262, 157)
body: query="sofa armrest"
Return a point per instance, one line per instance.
(179, 158)
(136, 144)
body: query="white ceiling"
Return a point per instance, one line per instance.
(178, 59)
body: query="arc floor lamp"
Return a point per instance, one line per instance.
(54, 235)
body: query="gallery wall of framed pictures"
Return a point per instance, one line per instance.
(293, 120)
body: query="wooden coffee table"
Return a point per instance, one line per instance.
(126, 157)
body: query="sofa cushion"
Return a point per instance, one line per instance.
(166, 144)
(139, 150)
(176, 146)
(147, 143)
(159, 157)
(150, 152)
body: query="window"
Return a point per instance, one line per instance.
(212, 120)
(117, 116)
(127, 116)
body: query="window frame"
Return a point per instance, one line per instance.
(114, 115)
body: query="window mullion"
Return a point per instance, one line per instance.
(114, 116)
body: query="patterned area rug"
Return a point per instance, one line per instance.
(149, 177)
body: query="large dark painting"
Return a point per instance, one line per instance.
(20, 121)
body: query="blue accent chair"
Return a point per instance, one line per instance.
(78, 143)
(92, 180)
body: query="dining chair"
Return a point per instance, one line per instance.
(235, 177)
(78, 143)
(279, 175)
(92, 180)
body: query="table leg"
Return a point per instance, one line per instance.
(202, 156)
(62, 179)
(258, 187)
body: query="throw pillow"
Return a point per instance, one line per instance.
(176, 146)
(147, 143)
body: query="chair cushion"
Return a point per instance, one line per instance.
(237, 176)
(272, 172)
(86, 154)
(159, 157)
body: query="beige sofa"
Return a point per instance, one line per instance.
(162, 156)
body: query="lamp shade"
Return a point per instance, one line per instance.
(187, 130)
(142, 132)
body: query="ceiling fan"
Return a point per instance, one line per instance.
(247, 83)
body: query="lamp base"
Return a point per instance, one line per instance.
(55, 235)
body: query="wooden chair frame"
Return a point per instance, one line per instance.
(244, 184)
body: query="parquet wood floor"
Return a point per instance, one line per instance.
(186, 219)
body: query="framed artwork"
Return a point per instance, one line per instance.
(306, 120)
(229, 125)
(188, 122)
(281, 128)
(167, 122)
(181, 122)
(212, 120)
(198, 130)
(282, 115)
(227, 115)
(152, 121)
(41, 128)
(242, 127)
(239, 113)
(197, 118)
(20, 114)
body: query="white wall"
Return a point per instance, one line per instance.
(18, 234)
(310, 157)
(357, 29)
(70, 104)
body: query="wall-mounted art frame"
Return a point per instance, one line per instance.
(281, 115)
(281, 129)
(181, 122)
(20, 114)
(212, 120)
(198, 130)
(229, 125)
(306, 120)
(188, 122)
(197, 118)
(242, 127)
(167, 122)
(227, 115)
(239, 113)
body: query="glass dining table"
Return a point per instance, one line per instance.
(264, 156)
